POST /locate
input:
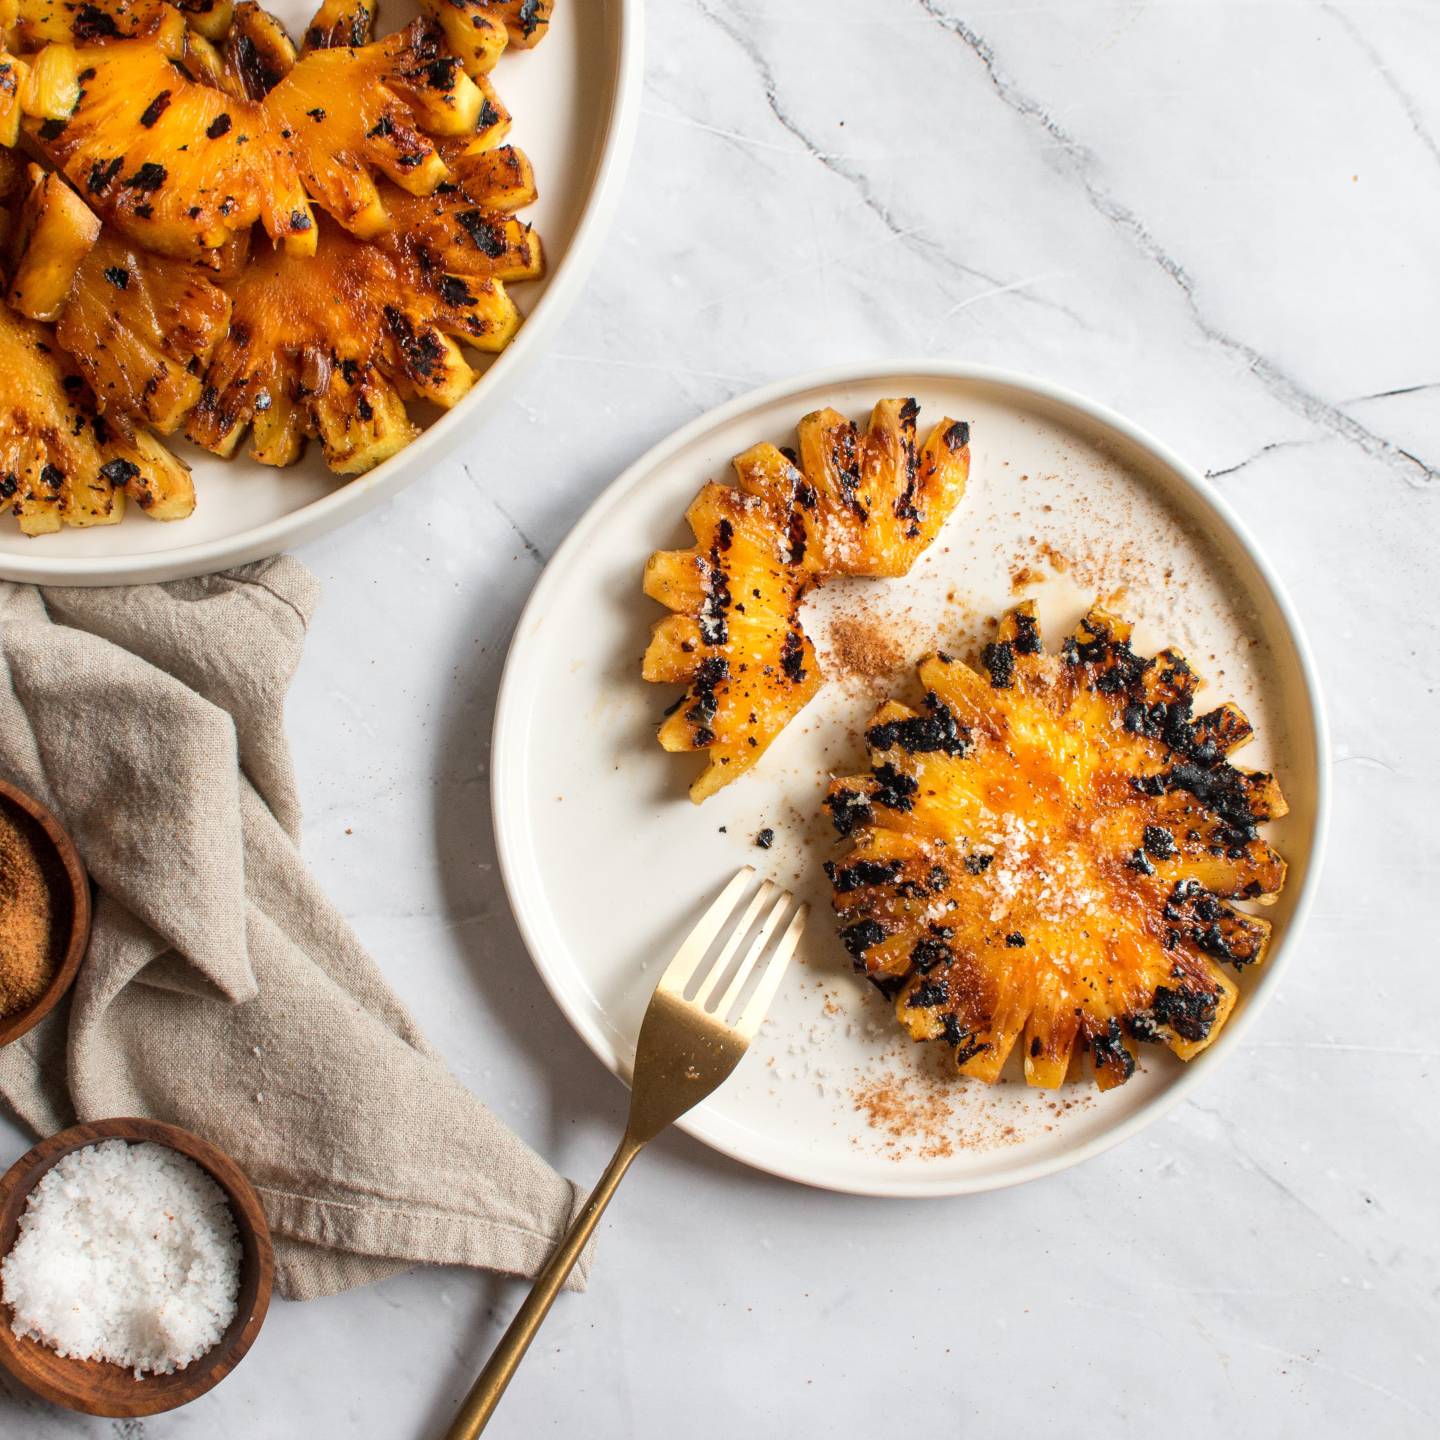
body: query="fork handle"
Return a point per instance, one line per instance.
(490, 1385)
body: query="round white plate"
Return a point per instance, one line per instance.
(575, 99)
(608, 863)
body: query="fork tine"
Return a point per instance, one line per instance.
(751, 960)
(692, 949)
(759, 1003)
(741, 930)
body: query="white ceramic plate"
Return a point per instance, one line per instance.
(575, 99)
(608, 863)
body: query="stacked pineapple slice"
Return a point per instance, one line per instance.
(848, 502)
(227, 232)
(1045, 853)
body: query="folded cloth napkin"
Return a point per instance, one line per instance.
(222, 991)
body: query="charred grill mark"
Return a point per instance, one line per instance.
(155, 109)
(894, 789)
(219, 126)
(936, 731)
(714, 627)
(957, 437)
(928, 994)
(849, 811)
(148, 177)
(1188, 1013)
(928, 953)
(486, 233)
(861, 873)
(998, 659)
(862, 936)
(1158, 842)
(1027, 634)
(1108, 1047)
(713, 670)
(792, 657)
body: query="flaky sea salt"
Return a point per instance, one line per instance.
(126, 1253)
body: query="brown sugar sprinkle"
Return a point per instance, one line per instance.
(30, 921)
(861, 647)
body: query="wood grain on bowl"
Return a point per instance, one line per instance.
(97, 1387)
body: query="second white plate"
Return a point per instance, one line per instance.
(608, 863)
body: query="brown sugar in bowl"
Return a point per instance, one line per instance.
(69, 887)
(98, 1387)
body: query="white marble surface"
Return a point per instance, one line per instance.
(1221, 218)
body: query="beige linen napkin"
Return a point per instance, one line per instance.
(222, 991)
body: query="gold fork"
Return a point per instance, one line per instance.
(687, 1048)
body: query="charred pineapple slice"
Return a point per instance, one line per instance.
(56, 229)
(1044, 855)
(350, 113)
(331, 346)
(60, 462)
(735, 638)
(141, 328)
(181, 167)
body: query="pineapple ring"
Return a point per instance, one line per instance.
(1043, 854)
(849, 503)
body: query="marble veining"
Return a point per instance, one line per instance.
(1221, 219)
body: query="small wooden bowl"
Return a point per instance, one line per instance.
(70, 886)
(96, 1386)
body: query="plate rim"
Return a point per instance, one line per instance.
(505, 796)
(362, 493)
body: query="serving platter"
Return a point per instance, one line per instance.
(608, 863)
(575, 99)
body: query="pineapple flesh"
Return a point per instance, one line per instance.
(61, 463)
(332, 346)
(795, 519)
(349, 114)
(1044, 855)
(90, 22)
(141, 328)
(13, 75)
(479, 30)
(55, 231)
(179, 166)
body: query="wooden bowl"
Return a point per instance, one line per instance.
(70, 886)
(96, 1386)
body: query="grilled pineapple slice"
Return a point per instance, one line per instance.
(55, 231)
(179, 166)
(795, 520)
(734, 639)
(348, 114)
(141, 328)
(331, 347)
(479, 30)
(1044, 855)
(60, 462)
